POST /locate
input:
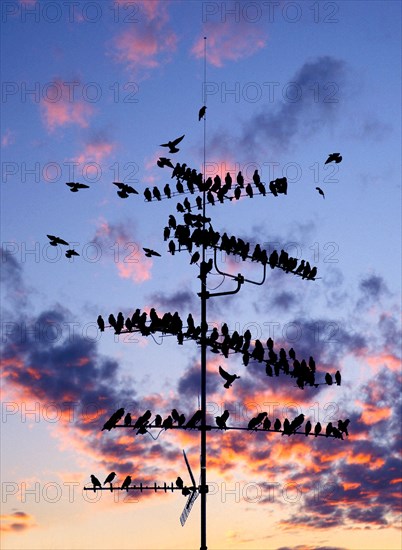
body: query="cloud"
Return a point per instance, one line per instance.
(131, 262)
(60, 108)
(8, 138)
(230, 40)
(95, 151)
(148, 45)
(16, 522)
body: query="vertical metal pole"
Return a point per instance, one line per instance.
(203, 458)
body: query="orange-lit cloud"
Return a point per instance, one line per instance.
(16, 522)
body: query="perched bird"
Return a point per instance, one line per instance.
(321, 192)
(149, 252)
(110, 478)
(230, 378)
(158, 420)
(127, 419)
(338, 378)
(334, 157)
(172, 247)
(266, 424)
(142, 420)
(343, 426)
(249, 190)
(70, 253)
(277, 425)
(179, 483)
(167, 423)
(148, 194)
(221, 420)
(163, 161)
(317, 429)
(167, 191)
(111, 423)
(156, 193)
(195, 257)
(307, 428)
(192, 423)
(101, 323)
(172, 144)
(75, 186)
(126, 483)
(54, 241)
(201, 112)
(328, 430)
(328, 379)
(95, 482)
(256, 421)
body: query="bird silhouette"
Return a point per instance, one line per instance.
(167, 191)
(328, 379)
(249, 190)
(163, 161)
(70, 253)
(156, 193)
(266, 424)
(158, 420)
(334, 157)
(194, 420)
(201, 112)
(127, 419)
(148, 194)
(75, 186)
(221, 420)
(113, 420)
(338, 378)
(317, 429)
(277, 425)
(95, 482)
(195, 257)
(230, 378)
(167, 423)
(256, 421)
(126, 483)
(307, 428)
(149, 252)
(110, 478)
(54, 241)
(179, 483)
(328, 430)
(124, 189)
(343, 426)
(172, 144)
(321, 192)
(101, 323)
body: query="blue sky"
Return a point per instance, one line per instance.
(287, 83)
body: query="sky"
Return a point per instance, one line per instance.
(89, 92)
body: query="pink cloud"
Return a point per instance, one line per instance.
(8, 138)
(16, 522)
(148, 45)
(132, 263)
(61, 108)
(229, 41)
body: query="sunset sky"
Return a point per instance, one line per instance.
(89, 92)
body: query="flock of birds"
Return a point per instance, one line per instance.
(126, 485)
(192, 233)
(304, 372)
(260, 422)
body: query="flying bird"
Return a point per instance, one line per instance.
(54, 241)
(75, 186)
(334, 157)
(230, 378)
(321, 192)
(149, 252)
(95, 482)
(124, 189)
(70, 253)
(126, 483)
(163, 161)
(172, 144)
(201, 112)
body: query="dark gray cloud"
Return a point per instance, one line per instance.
(182, 301)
